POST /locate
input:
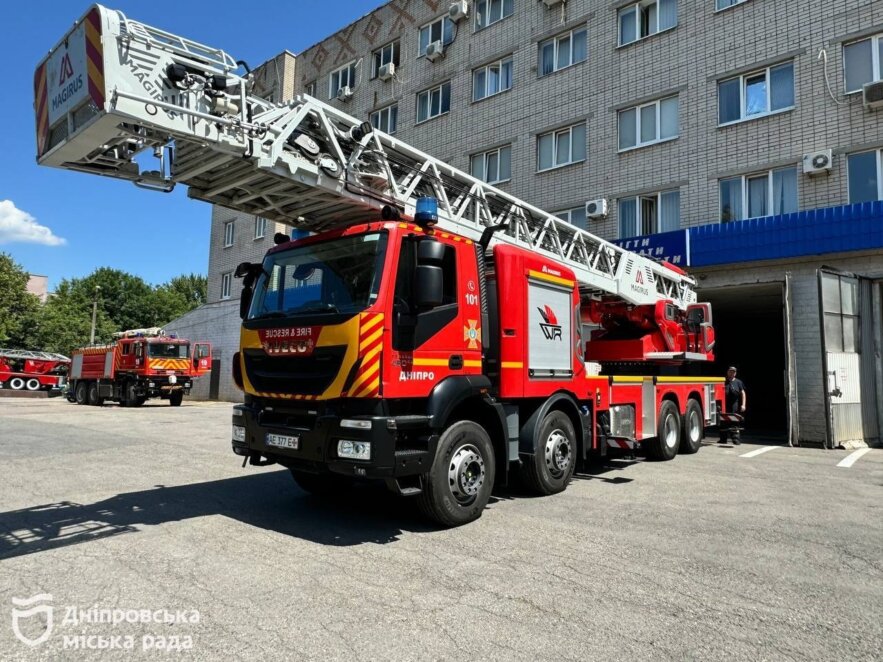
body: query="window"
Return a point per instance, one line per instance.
(226, 284)
(493, 166)
(724, 4)
(260, 227)
(440, 30)
(763, 194)
(649, 214)
(434, 102)
(488, 12)
(228, 234)
(562, 147)
(311, 88)
(563, 51)
(841, 313)
(756, 94)
(864, 177)
(575, 216)
(646, 18)
(649, 123)
(862, 62)
(343, 77)
(386, 119)
(385, 55)
(492, 79)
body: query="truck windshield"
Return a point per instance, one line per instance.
(336, 276)
(162, 350)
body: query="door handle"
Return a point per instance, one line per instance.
(455, 362)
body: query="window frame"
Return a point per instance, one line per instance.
(503, 15)
(633, 7)
(854, 317)
(429, 91)
(876, 63)
(379, 114)
(745, 193)
(742, 78)
(878, 162)
(260, 222)
(310, 88)
(555, 133)
(490, 152)
(226, 285)
(421, 52)
(349, 67)
(639, 222)
(718, 8)
(555, 41)
(229, 233)
(566, 215)
(501, 62)
(637, 108)
(395, 57)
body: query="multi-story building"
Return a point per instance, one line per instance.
(675, 120)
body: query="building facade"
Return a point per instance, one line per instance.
(666, 116)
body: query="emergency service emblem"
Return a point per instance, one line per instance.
(472, 334)
(35, 606)
(551, 328)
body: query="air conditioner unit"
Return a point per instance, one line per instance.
(345, 93)
(596, 208)
(872, 95)
(387, 71)
(818, 163)
(434, 51)
(458, 10)
(553, 3)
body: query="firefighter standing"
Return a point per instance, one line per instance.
(734, 393)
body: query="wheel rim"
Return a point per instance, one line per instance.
(33, 384)
(671, 431)
(695, 427)
(16, 383)
(466, 474)
(558, 453)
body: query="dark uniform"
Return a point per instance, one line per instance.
(733, 389)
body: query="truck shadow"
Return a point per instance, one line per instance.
(268, 500)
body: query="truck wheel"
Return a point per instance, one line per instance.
(16, 383)
(33, 384)
(81, 394)
(93, 398)
(175, 399)
(326, 484)
(552, 466)
(668, 433)
(457, 487)
(694, 428)
(141, 400)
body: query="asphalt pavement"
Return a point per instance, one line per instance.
(143, 534)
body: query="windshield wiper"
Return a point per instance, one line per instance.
(318, 308)
(271, 315)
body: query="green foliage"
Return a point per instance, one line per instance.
(15, 301)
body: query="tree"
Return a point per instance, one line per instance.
(192, 288)
(64, 323)
(16, 303)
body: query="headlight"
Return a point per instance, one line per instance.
(355, 424)
(238, 433)
(354, 450)
(150, 385)
(173, 379)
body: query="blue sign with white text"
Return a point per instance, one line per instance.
(673, 247)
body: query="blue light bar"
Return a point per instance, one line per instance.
(427, 211)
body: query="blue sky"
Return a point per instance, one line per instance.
(107, 222)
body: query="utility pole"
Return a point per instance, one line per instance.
(94, 313)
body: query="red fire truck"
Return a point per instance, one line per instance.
(140, 364)
(434, 332)
(22, 369)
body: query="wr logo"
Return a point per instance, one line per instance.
(551, 328)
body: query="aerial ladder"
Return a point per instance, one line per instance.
(139, 91)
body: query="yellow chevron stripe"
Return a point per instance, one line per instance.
(368, 324)
(373, 386)
(367, 373)
(367, 342)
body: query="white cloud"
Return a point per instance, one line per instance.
(18, 225)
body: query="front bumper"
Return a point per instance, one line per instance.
(400, 445)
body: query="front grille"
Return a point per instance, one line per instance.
(304, 375)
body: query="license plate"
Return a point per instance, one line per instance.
(282, 441)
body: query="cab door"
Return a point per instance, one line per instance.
(202, 358)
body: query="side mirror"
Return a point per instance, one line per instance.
(429, 285)
(243, 269)
(245, 300)
(430, 251)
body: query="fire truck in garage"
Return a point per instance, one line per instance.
(433, 331)
(140, 364)
(22, 369)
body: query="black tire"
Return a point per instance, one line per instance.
(140, 401)
(81, 394)
(668, 433)
(458, 486)
(33, 384)
(16, 383)
(551, 468)
(326, 484)
(93, 398)
(693, 428)
(175, 399)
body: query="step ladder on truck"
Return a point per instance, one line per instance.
(432, 331)
(30, 370)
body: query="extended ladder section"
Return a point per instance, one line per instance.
(145, 92)
(32, 356)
